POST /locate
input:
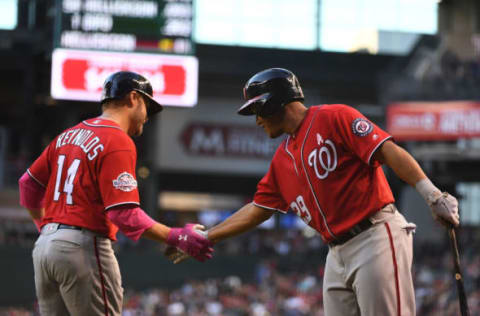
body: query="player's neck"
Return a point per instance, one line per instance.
(118, 117)
(295, 113)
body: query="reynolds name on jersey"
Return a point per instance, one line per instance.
(84, 138)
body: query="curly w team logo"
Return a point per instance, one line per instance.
(361, 127)
(125, 182)
(323, 160)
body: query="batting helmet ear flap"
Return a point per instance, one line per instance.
(272, 105)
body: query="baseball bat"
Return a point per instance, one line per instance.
(462, 297)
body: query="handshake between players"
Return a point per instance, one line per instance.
(194, 241)
(190, 241)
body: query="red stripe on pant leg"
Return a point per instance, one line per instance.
(395, 268)
(102, 281)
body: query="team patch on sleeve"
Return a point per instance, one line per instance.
(125, 182)
(361, 127)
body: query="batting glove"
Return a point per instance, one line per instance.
(444, 207)
(176, 255)
(190, 240)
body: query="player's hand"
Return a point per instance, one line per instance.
(191, 240)
(445, 208)
(175, 255)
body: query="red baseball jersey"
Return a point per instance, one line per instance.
(325, 172)
(86, 170)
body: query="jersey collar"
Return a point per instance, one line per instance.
(101, 122)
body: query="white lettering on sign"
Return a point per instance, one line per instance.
(95, 77)
(454, 122)
(250, 145)
(222, 140)
(107, 41)
(97, 22)
(79, 75)
(175, 27)
(424, 121)
(178, 10)
(71, 6)
(434, 120)
(202, 141)
(127, 8)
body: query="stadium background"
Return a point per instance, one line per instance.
(201, 163)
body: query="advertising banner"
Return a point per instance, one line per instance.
(212, 138)
(79, 75)
(434, 120)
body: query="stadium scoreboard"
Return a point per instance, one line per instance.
(148, 26)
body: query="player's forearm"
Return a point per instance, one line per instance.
(157, 232)
(36, 216)
(31, 197)
(444, 206)
(248, 217)
(401, 162)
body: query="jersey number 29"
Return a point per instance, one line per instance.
(301, 209)
(68, 185)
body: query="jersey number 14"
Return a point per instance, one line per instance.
(68, 185)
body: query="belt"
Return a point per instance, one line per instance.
(357, 229)
(65, 226)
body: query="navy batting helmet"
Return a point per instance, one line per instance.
(270, 90)
(117, 85)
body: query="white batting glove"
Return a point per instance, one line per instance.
(444, 206)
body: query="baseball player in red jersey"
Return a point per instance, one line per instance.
(328, 172)
(80, 191)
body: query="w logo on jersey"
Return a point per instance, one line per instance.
(324, 158)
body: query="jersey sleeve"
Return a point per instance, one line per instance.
(359, 134)
(268, 195)
(40, 169)
(117, 180)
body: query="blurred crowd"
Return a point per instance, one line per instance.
(432, 74)
(296, 290)
(289, 291)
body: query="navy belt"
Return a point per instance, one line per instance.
(357, 229)
(65, 226)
